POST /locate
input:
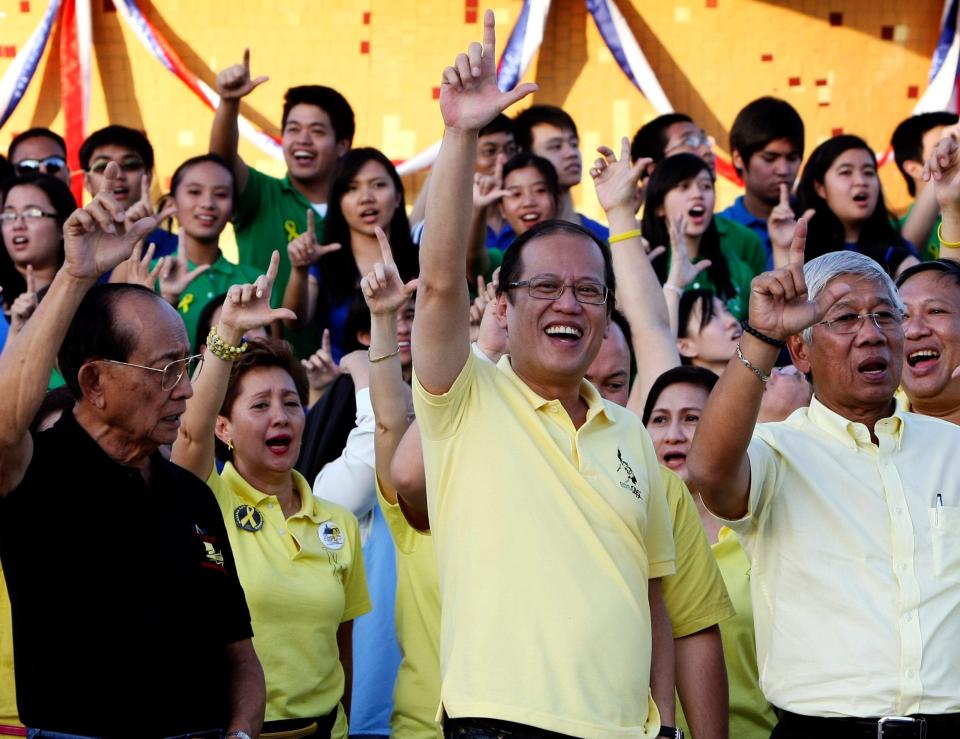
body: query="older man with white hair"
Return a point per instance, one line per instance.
(849, 510)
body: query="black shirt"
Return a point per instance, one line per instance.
(123, 596)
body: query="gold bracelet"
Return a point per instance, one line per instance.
(374, 360)
(948, 244)
(221, 349)
(746, 363)
(625, 235)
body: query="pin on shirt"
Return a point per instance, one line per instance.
(248, 518)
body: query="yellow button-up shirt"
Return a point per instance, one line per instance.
(855, 552)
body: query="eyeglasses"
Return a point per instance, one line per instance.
(50, 165)
(32, 213)
(850, 323)
(547, 288)
(692, 141)
(127, 164)
(173, 372)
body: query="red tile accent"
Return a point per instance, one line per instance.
(364, 47)
(766, 57)
(821, 83)
(366, 19)
(836, 132)
(24, 6)
(436, 93)
(836, 19)
(794, 82)
(470, 16)
(711, 3)
(886, 33)
(472, 4)
(109, 7)
(823, 105)
(10, 51)
(913, 92)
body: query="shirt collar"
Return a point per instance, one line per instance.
(310, 506)
(744, 216)
(287, 186)
(595, 402)
(851, 433)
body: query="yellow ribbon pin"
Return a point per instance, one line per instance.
(185, 302)
(291, 228)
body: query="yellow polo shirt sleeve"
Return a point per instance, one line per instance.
(658, 535)
(696, 597)
(440, 416)
(8, 696)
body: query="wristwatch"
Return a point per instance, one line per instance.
(671, 731)
(240, 735)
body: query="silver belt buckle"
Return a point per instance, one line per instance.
(892, 721)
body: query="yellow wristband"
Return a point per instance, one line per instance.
(635, 233)
(948, 244)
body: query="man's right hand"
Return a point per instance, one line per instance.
(234, 82)
(94, 238)
(469, 96)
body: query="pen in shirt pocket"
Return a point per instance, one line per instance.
(939, 505)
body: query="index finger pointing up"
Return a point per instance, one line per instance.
(385, 251)
(799, 244)
(489, 41)
(784, 194)
(311, 229)
(145, 189)
(246, 61)
(109, 180)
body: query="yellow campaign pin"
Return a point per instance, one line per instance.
(248, 518)
(331, 535)
(291, 228)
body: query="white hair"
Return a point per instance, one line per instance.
(820, 271)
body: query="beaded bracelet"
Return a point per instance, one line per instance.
(746, 363)
(221, 349)
(763, 337)
(624, 236)
(948, 244)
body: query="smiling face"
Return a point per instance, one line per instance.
(34, 241)
(204, 199)
(562, 148)
(851, 187)
(371, 199)
(553, 342)
(310, 146)
(132, 168)
(775, 164)
(855, 374)
(404, 330)
(673, 423)
(265, 422)
(931, 339)
(610, 371)
(716, 343)
(529, 200)
(694, 199)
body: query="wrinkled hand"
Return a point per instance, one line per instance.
(24, 305)
(488, 189)
(143, 208)
(787, 390)
(617, 181)
(248, 306)
(779, 306)
(320, 368)
(304, 250)
(781, 224)
(943, 168)
(357, 365)
(136, 270)
(95, 239)
(176, 274)
(234, 82)
(382, 288)
(469, 96)
(682, 271)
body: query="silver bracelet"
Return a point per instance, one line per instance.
(746, 363)
(674, 288)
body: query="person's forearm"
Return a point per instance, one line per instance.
(388, 395)
(248, 694)
(919, 224)
(950, 232)
(478, 258)
(296, 297)
(717, 462)
(702, 683)
(225, 133)
(409, 477)
(420, 204)
(348, 480)
(662, 679)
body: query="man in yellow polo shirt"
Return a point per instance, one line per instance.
(849, 510)
(546, 503)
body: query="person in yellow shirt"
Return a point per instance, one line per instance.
(298, 556)
(551, 611)
(849, 510)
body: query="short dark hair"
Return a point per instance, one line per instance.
(180, 172)
(688, 301)
(651, 140)
(543, 166)
(329, 101)
(512, 266)
(95, 331)
(907, 140)
(683, 375)
(500, 124)
(119, 136)
(764, 120)
(945, 267)
(265, 352)
(536, 114)
(35, 133)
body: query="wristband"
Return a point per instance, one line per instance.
(631, 235)
(763, 337)
(374, 360)
(221, 349)
(746, 363)
(674, 288)
(948, 244)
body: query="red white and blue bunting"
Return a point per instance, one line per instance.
(18, 75)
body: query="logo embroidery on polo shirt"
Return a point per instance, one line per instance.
(332, 535)
(630, 480)
(213, 558)
(248, 518)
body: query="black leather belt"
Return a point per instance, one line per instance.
(920, 726)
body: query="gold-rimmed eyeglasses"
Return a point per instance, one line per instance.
(171, 373)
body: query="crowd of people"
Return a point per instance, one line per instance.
(482, 467)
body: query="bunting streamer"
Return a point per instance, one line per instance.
(75, 49)
(523, 43)
(163, 52)
(941, 92)
(21, 70)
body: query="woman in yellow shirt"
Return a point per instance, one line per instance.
(298, 557)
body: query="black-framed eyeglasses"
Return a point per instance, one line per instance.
(173, 372)
(548, 288)
(127, 164)
(31, 213)
(50, 165)
(850, 323)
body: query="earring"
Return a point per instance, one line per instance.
(230, 445)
